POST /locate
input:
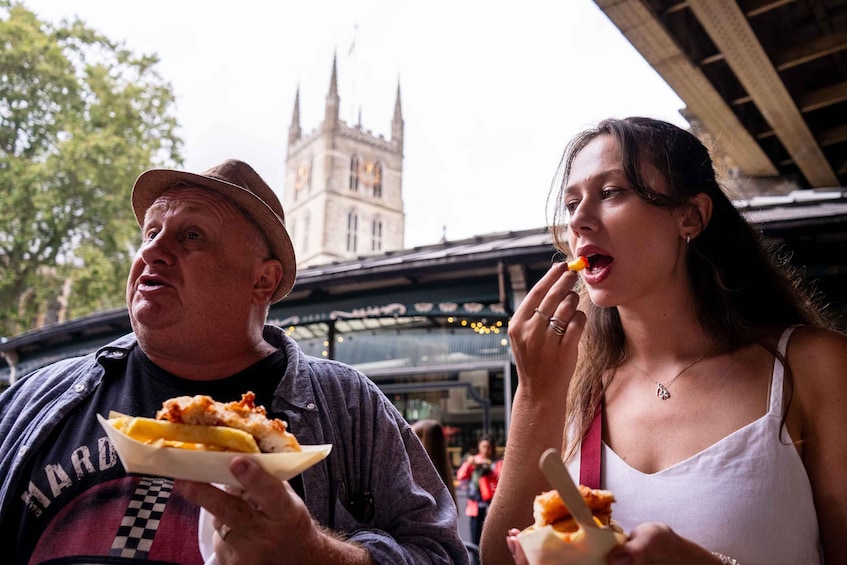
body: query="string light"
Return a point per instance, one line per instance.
(482, 327)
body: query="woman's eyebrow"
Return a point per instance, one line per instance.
(599, 178)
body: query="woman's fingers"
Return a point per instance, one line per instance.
(547, 293)
(545, 314)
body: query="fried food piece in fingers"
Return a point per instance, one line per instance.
(578, 264)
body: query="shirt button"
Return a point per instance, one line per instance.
(79, 387)
(310, 406)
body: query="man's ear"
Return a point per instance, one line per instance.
(695, 216)
(268, 276)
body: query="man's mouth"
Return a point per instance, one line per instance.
(151, 282)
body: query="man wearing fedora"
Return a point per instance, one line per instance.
(215, 255)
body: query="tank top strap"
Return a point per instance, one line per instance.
(778, 378)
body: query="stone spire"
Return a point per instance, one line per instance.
(294, 131)
(397, 121)
(332, 99)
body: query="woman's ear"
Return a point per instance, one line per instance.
(695, 216)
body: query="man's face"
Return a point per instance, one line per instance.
(195, 269)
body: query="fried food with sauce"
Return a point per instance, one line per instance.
(271, 435)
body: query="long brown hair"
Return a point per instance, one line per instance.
(431, 434)
(742, 287)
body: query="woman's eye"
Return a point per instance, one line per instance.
(609, 191)
(571, 205)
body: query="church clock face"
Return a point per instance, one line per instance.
(369, 172)
(302, 179)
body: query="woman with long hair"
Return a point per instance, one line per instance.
(431, 434)
(717, 383)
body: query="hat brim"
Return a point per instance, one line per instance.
(151, 184)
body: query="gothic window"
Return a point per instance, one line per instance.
(354, 173)
(376, 234)
(377, 178)
(352, 229)
(303, 178)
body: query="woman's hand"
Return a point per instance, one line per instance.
(515, 547)
(653, 542)
(545, 332)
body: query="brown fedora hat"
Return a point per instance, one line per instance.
(238, 182)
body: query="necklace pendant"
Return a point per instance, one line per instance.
(662, 391)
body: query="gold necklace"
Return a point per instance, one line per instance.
(662, 390)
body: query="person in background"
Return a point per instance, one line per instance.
(717, 383)
(214, 256)
(480, 472)
(431, 434)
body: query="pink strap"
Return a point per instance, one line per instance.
(589, 462)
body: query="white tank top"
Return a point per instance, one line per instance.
(747, 496)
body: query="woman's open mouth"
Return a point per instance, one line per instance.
(597, 262)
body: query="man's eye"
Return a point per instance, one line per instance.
(192, 235)
(150, 234)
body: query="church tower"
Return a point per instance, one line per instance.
(343, 186)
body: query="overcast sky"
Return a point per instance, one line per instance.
(491, 90)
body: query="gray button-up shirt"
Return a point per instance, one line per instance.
(377, 486)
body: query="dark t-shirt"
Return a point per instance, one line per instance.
(81, 507)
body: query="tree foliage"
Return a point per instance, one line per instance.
(80, 118)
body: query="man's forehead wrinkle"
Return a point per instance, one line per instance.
(169, 201)
(164, 205)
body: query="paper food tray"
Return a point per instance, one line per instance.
(543, 546)
(204, 466)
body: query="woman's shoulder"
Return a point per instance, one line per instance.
(817, 358)
(816, 347)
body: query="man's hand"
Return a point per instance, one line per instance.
(266, 522)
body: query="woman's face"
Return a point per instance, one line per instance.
(485, 448)
(635, 248)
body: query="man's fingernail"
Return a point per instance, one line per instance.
(240, 466)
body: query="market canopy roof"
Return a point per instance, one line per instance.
(766, 78)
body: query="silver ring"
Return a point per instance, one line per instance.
(224, 531)
(558, 328)
(543, 315)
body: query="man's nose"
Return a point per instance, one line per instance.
(158, 249)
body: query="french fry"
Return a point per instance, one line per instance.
(186, 436)
(578, 264)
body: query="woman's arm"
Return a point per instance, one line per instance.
(818, 361)
(545, 363)
(465, 470)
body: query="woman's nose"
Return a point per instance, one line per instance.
(583, 218)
